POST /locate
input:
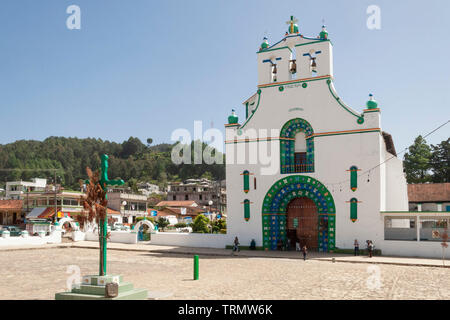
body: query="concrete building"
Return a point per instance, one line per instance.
(11, 212)
(17, 189)
(44, 204)
(128, 204)
(148, 189)
(202, 191)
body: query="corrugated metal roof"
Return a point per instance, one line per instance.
(36, 212)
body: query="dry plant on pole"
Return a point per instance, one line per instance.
(95, 205)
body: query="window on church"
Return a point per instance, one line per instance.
(246, 176)
(354, 178)
(297, 147)
(246, 209)
(186, 197)
(353, 209)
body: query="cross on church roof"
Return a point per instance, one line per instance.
(292, 21)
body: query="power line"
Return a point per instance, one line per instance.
(404, 150)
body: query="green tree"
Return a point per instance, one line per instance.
(219, 225)
(162, 223)
(440, 162)
(200, 224)
(417, 162)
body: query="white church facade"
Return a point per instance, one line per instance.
(302, 166)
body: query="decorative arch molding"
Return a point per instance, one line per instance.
(144, 222)
(71, 222)
(287, 146)
(274, 215)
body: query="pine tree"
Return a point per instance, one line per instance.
(417, 162)
(440, 162)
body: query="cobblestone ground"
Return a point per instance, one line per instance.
(40, 273)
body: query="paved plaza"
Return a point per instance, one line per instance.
(41, 272)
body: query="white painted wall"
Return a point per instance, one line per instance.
(54, 237)
(426, 249)
(116, 237)
(192, 239)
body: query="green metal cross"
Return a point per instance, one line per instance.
(104, 183)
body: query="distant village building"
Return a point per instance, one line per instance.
(17, 189)
(184, 211)
(129, 205)
(429, 197)
(148, 189)
(11, 212)
(45, 204)
(202, 191)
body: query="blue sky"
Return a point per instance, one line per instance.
(146, 67)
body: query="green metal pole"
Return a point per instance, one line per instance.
(196, 267)
(105, 231)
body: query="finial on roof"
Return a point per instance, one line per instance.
(371, 104)
(293, 27)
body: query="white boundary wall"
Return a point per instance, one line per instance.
(191, 239)
(425, 249)
(54, 237)
(116, 237)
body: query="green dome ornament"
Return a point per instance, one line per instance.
(371, 104)
(264, 45)
(233, 119)
(293, 27)
(323, 34)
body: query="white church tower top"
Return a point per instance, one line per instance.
(294, 57)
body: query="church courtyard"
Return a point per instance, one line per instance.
(40, 273)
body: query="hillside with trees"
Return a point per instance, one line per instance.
(130, 160)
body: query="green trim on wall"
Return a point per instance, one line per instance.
(353, 209)
(343, 105)
(267, 50)
(293, 82)
(344, 133)
(353, 178)
(254, 110)
(246, 209)
(305, 44)
(246, 174)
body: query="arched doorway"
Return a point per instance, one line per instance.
(281, 198)
(302, 223)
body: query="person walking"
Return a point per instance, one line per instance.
(356, 244)
(304, 251)
(235, 246)
(297, 245)
(370, 248)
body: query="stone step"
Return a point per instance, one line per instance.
(100, 290)
(134, 294)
